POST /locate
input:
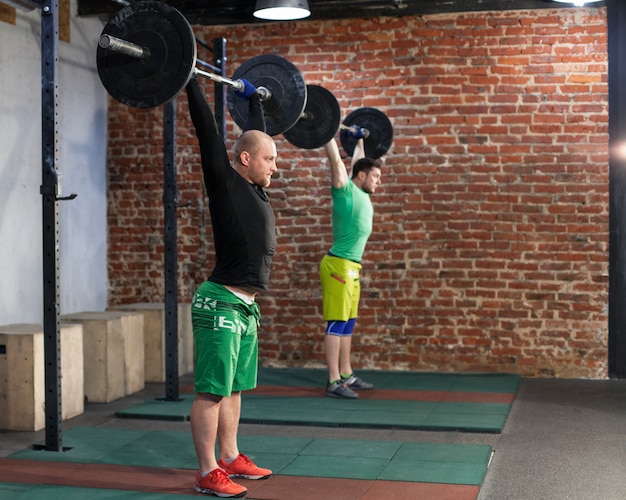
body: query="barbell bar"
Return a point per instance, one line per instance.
(147, 54)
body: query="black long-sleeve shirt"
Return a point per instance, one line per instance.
(242, 218)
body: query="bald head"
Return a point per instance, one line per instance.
(250, 141)
(255, 157)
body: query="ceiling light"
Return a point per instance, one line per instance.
(577, 3)
(282, 10)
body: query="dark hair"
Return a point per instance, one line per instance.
(364, 165)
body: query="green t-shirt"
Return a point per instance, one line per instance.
(352, 216)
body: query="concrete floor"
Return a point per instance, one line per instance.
(564, 439)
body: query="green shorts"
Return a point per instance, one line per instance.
(224, 340)
(341, 288)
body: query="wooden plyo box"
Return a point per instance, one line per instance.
(113, 353)
(22, 375)
(154, 329)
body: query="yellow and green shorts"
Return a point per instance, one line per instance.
(341, 288)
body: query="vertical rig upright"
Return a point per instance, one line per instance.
(616, 19)
(50, 223)
(170, 202)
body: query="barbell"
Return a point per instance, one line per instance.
(321, 118)
(147, 54)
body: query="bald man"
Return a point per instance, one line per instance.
(224, 313)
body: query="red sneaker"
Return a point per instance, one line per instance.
(219, 484)
(244, 468)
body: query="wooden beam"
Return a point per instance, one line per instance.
(224, 12)
(64, 20)
(7, 14)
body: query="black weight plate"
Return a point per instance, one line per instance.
(149, 82)
(380, 132)
(319, 122)
(285, 83)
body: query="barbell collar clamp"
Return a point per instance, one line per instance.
(264, 94)
(116, 44)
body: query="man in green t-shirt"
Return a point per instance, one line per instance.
(352, 216)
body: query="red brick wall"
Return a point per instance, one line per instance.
(491, 229)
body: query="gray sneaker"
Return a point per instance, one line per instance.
(339, 389)
(354, 382)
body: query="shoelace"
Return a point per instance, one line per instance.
(221, 477)
(247, 460)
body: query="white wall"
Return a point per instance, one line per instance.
(81, 135)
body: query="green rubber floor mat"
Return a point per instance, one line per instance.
(15, 491)
(443, 463)
(410, 381)
(422, 415)
(330, 412)
(374, 409)
(160, 409)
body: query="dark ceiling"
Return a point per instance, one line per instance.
(220, 12)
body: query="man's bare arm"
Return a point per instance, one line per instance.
(339, 174)
(358, 153)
